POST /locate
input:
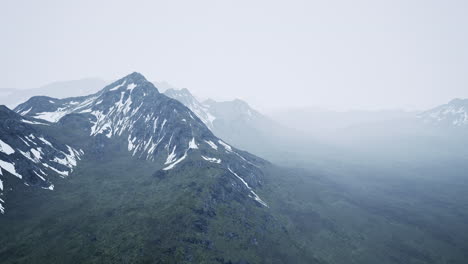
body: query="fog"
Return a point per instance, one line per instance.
(347, 145)
(337, 55)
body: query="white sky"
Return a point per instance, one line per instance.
(410, 54)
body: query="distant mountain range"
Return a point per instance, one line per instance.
(63, 89)
(307, 138)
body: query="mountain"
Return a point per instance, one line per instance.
(201, 110)
(62, 89)
(153, 126)
(147, 166)
(452, 114)
(216, 114)
(212, 111)
(234, 121)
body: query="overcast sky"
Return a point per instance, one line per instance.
(274, 54)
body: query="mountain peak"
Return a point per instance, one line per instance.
(171, 92)
(136, 76)
(131, 81)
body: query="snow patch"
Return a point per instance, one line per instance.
(226, 146)
(213, 160)
(69, 160)
(27, 155)
(25, 112)
(212, 144)
(10, 167)
(130, 144)
(5, 148)
(45, 141)
(118, 86)
(192, 144)
(38, 175)
(176, 162)
(51, 116)
(33, 122)
(171, 157)
(62, 173)
(255, 196)
(131, 86)
(51, 187)
(37, 154)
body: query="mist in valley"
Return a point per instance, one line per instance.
(234, 132)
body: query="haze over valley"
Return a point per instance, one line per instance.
(234, 132)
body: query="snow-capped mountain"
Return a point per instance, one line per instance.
(150, 125)
(233, 120)
(212, 112)
(29, 156)
(201, 110)
(455, 113)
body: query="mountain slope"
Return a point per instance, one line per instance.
(454, 113)
(30, 157)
